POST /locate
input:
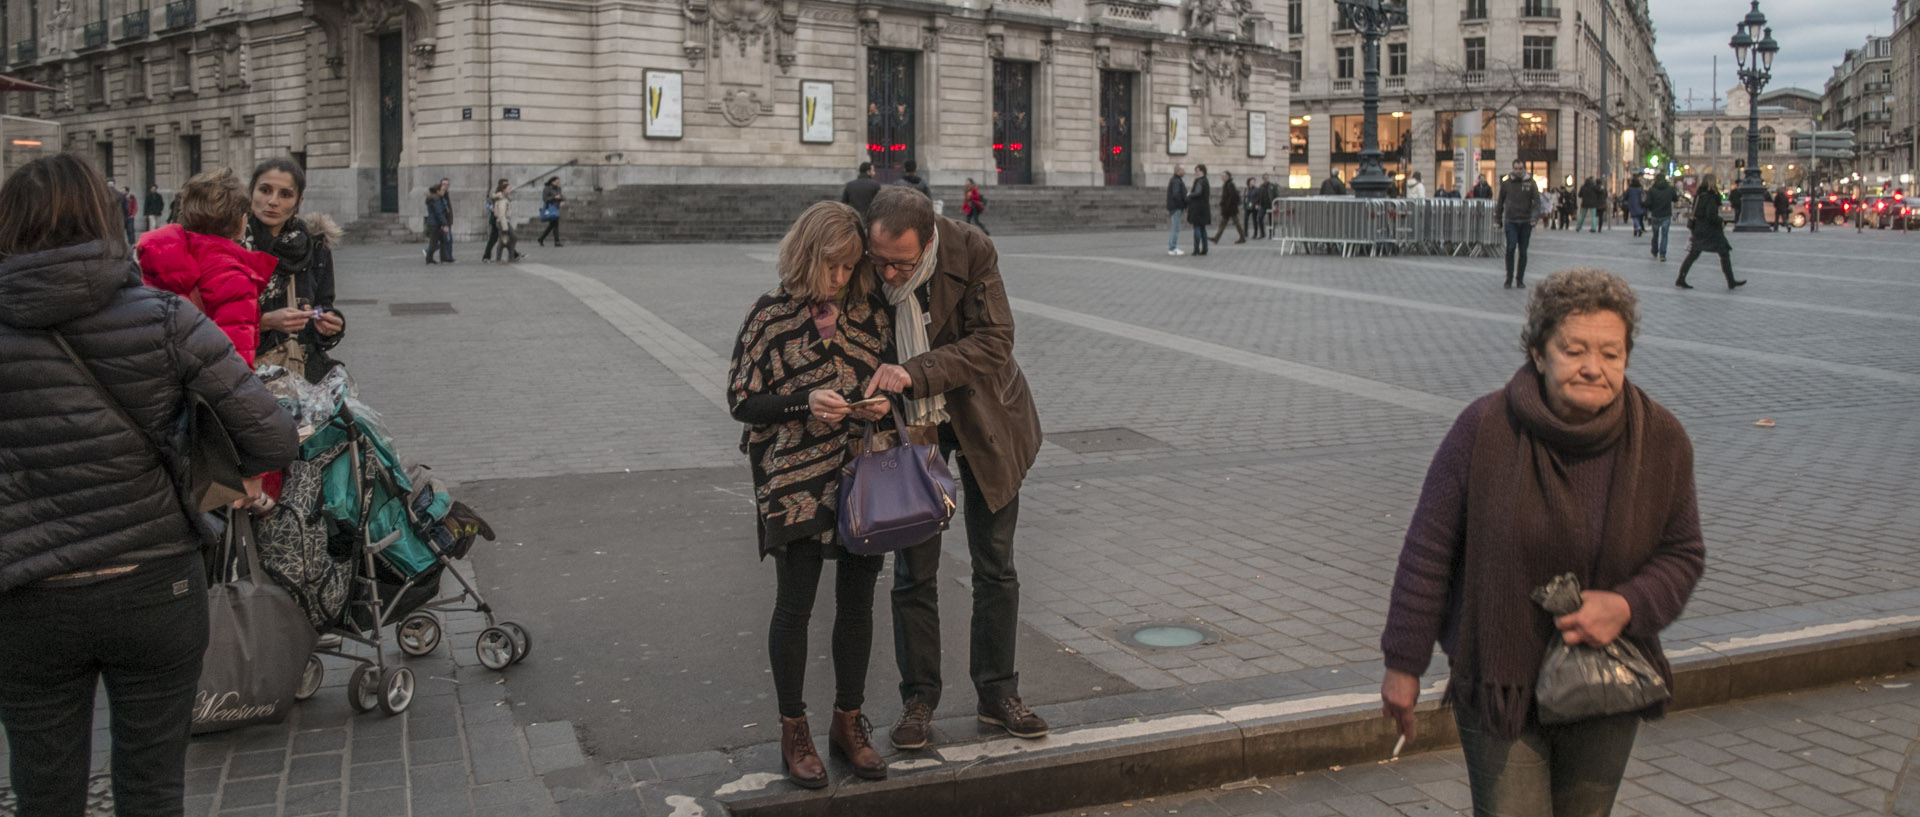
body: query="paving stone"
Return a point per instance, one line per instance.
(319, 798)
(255, 792)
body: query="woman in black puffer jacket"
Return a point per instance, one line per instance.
(100, 571)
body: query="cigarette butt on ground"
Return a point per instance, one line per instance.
(1398, 745)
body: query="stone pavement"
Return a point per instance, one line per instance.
(1234, 442)
(1836, 751)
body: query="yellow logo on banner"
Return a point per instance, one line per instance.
(653, 103)
(812, 103)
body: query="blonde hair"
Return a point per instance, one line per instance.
(827, 230)
(213, 202)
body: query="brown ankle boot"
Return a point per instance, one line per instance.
(850, 736)
(796, 748)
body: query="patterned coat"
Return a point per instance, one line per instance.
(778, 360)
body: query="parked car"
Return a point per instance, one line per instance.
(1831, 207)
(1730, 215)
(1882, 212)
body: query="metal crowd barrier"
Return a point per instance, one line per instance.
(1351, 226)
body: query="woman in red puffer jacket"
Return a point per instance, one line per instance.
(200, 260)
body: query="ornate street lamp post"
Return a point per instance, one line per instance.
(1752, 36)
(1371, 18)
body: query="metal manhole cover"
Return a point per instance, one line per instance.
(1099, 440)
(355, 301)
(1168, 636)
(428, 308)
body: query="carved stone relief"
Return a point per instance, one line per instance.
(1222, 76)
(742, 43)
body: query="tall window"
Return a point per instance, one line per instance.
(1538, 8)
(1396, 59)
(1296, 21)
(1766, 138)
(1536, 53)
(1686, 142)
(1475, 10)
(1476, 53)
(1343, 62)
(1713, 140)
(1739, 141)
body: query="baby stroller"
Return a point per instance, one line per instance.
(371, 544)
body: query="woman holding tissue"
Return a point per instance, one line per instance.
(805, 347)
(1567, 469)
(298, 323)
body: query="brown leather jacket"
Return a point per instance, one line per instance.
(970, 334)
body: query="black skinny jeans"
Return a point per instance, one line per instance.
(144, 633)
(799, 578)
(1726, 264)
(553, 229)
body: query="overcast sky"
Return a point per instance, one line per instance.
(1813, 36)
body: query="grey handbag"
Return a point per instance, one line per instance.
(1578, 682)
(258, 640)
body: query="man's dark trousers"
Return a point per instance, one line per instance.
(1519, 233)
(996, 600)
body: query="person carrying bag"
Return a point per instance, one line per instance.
(894, 497)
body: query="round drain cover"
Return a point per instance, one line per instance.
(1168, 635)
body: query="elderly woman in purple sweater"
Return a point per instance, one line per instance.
(1568, 469)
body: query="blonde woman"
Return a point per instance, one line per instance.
(805, 348)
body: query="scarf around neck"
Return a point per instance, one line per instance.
(1526, 524)
(910, 331)
(294, 248)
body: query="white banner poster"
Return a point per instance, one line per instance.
(1256, 134)
(1176, 130)
(816, 111)
(663, 105)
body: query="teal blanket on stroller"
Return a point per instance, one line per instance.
(386, 483)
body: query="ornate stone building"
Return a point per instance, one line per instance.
(1860, 99)
(382, 98)
(1905, 139)
(1716, 141)
(1528, 70)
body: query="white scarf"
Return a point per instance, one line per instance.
(910, 331)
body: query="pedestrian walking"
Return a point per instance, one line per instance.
(1593, 202)
(1782, 210)
(1176, 209)
(1660, 199)
(1269, 202)
(953, 335)
(973, 204)
(1250, 195)
(1416, 189)
(299, 323)
(1199, 209)
(859, 192)
(1482, 190)
(101, 578)
(1333, 186)
(1547, 203)
(503, 219)
(439, 224)
(1637, 206)
(201, 259)
(1230, 209)
(130, 208)
(551, 200)
(1569, 431)
(1519, 200)
(1567, 201)
(156, 210)
(1709, 234)
(910, 177)
(805, 347)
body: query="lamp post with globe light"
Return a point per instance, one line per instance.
(1371, 18)
(1752, 38)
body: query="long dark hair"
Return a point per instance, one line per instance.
(59, 201)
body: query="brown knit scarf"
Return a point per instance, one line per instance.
(1526, 524)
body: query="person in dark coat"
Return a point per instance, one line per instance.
(1709, 234)
(1660, 199)
(1333, 186)
(1567, 201)
(1519, 201)
(101, 577)
(1230, 209)
(1593, 201)
(1782, 210)
(1199, 211)
(550, 196)
(1176, 207)
(297, 304)
(1482, 190)
(156, 207)
(1637, 206)
(910, 177)
(859, 192)
(439, 225)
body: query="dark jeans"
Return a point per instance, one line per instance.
(973, 218)
(1256, 222)
(1519, 233)
(799, 577)
(1572, 770)
(1726, 264)
(144, 633)
(996, 601)
(1661, 228)
(1199, 238)
(553, 229)
(441, 241)
(493, 237)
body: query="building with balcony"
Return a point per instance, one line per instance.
(1859, 98)
(1904, 48)
(381, 98)
(1500, 78)
(1716, 141)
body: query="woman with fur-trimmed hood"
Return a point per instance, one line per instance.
(298, 322)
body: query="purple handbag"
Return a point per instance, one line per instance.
(896, 498)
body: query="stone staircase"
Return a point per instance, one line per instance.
(657, 214)
(380, 228)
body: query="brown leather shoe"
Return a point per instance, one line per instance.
(1012, 715)
(796, 748)
(851, 736)
(914, 728)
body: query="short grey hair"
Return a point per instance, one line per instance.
(1577, 291)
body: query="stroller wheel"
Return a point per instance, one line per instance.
(363, 688)
(522, 640)
(310, 679)
(418, 634)
(495, 648)
(396, 690)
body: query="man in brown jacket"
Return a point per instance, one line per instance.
(954, 338)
